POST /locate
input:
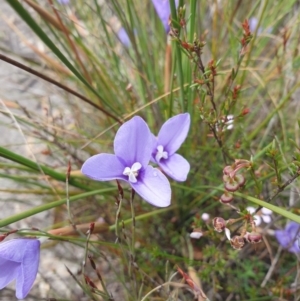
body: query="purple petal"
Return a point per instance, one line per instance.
(173, 132)
(104, 167)
(133, 142)
(253, 22)
(19, 259)
(13, 250)
(153, 187)
(293, 229)
(294, 248)
(123, 37)
(8, 271)
(63, 1)
(288, 238)
(29, 267)
(176, 167)
(154, 149)
(282, 238)
(162, 8)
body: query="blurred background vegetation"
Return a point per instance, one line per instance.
(106, 61)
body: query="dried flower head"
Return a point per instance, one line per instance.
(227, 170)
(231, 184)
(219, 224)
(237, 242)
(253, 237)
(226, 197)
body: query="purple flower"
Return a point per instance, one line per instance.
(133, 146)
(253, 22)
(123, 37)
(289, 237)
(63, 1)
(19, 259)
(163, 11)
(169, 139)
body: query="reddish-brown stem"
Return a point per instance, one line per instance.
(58, 84)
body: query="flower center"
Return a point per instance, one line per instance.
(132, 172)
(160, 153)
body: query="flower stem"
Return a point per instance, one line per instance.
(133, 224)
(178, 54)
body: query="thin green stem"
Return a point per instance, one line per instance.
(17, 217)
(132, 225)
(283, 212)
(118, 214)
(178, 55)
(5, 153)
(191, 33)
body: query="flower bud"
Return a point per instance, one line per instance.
(240, 179)
(237, 242)
(253, 237)
(226, 178)
(226, 197)
(245, 111)
(196, 234)
(205, 217)
(231, 185)
(227, 170)
(219, 224)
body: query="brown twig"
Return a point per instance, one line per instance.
(201, 67)
(58, 84)
(99, 227)
(287, 183)
(281, 188)
(45, 14)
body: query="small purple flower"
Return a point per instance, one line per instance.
(163, 11)
(19, 259)
(133, 146)
(169, 139)
(253, 22)
(289, 237)
(123, 37)
(63, 1)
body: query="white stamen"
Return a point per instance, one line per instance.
(160, 153)
(132, 172)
